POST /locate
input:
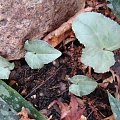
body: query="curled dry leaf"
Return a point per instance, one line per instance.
(71, 111)
(24, 114)
(83, 118)
(106, 82)
(110, 118)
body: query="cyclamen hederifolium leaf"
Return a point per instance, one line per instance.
(115, 106)
(39, 53)
(99, 34)
(100, 60)
(82, 85)
(4, 73)
(5, 64)
(5, 68)
(95, 30)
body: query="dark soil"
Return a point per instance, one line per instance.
(41, 87)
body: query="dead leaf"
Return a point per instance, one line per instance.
(83, 118)
(65, 109)
(24, 114)
(116, 77)
(110, 118)
(50, 117)
(12, 82)
(71, 111)
(108, 80)
(115, 69)
(105, 82)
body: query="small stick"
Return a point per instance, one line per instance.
(57, 36)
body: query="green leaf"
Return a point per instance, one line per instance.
(115, 7)
(82, 85)
(115, 106)
(39, 53)
(110, 4)
(16, 101)
(100, 35)
(7, 112)
(5, 68)
(100, 60)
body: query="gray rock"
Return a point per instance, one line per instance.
(31, 19)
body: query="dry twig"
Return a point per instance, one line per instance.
(57, 36)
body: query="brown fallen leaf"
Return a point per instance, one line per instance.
(83, 118)
(110, 118)
(57, 36)
(24, 114)
(106, 81)
(12, 82)
(115, 70)
(71, 111)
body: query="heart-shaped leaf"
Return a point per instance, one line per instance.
(5, 68)
(100, 35)
(100, 60)
(39, 53)
(82, 85)
(115, 106)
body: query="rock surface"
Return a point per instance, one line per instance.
(31, 19)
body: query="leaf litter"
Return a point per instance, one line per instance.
(70, 111)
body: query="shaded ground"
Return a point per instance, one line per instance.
(41, 87)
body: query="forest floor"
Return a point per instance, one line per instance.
(43, 86)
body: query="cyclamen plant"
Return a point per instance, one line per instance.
(39, 52)
(100, 36)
